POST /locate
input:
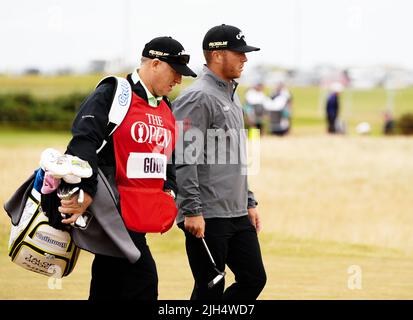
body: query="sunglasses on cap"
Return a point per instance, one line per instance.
(178, 58)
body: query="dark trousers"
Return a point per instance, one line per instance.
(232, 242)
(331, 122)
(117, 278)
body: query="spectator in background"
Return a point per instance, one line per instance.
(279, 110)
(333, 107)
(388, 123)
(255, 99)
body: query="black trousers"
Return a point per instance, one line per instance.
(117, 278)
(232, 242)
(331, 123)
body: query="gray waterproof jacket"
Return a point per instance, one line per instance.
(210, 157)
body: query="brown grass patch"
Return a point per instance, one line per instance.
(317, 195)
(347, 189)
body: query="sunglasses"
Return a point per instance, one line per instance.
(179, 58)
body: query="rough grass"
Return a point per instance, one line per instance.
(327, 203)
(351, 189)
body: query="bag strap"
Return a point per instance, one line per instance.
(120, 104)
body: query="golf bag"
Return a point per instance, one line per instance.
(34, 244)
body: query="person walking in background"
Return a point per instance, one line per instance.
(133, 160)
(214, 201)
(333, 108)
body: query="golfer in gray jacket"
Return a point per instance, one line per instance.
(214, 201)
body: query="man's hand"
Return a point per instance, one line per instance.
(170, 193)
(74, 208)
(195, 225)
(255, 218)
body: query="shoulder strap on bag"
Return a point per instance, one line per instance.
(120, 104)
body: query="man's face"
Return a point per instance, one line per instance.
(233, 64)
(165, 78)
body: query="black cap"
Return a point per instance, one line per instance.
(171, 51)
(226, 37)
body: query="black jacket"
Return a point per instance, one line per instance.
(106, 234)
(90, 129)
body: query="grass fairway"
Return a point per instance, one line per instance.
(327, 204)
(296, 269)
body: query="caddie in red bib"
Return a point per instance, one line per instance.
(126, 130)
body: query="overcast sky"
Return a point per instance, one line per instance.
(54, 33)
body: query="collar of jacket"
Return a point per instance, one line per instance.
(225, 86)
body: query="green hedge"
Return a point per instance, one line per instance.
(405, 124)
(23, 110)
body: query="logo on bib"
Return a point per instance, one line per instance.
(151, 132)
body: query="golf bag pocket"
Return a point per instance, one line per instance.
(147, 210)
(37, 246)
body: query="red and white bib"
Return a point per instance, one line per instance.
(143, 143)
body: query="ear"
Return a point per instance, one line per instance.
(218, 56)
(155, 64)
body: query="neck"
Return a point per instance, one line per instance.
(145, 78)
(218, 72)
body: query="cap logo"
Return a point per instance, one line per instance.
(158, 53)
(240, 35)
(218, 44)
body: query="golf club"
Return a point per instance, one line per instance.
(221, 274)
